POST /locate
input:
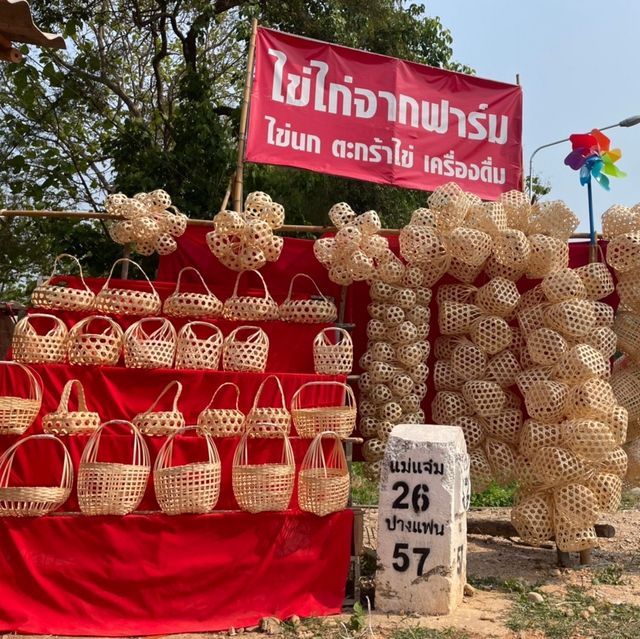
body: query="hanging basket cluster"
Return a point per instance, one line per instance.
(244, 241)
(151, 222)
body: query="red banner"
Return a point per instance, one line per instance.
(346, 112)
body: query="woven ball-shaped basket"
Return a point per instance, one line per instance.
(468, 361)
(573, 318)
(533, 519)
(596, 279)
(339, 418)
(503, 368)
(625, 384)
(191, 488)
(248, 307)
(499, 297)
(60, 297)
(444, 377)
(563, 284)
(623, 252)
(33, 501)
(491, 334)
(447, 406)
(470, 246)
(589, 439)
(461, 293)
(608, 491)
(124, 301)
(222, 422)
(505, 426)
(553, 218)
(502, 459)
(530, 376)
(32, 346)
(307, 311)
(111, 488)
(582, 362)
(535, 435)
(546, 346)
(629, 292)
(266, 486)
(412, 354)
(332, 355)
(493, 268)
(455, 318)
(154, 349)
(512, 249)
(489, 217)
(71, 422)
(18, 413)
(154, 422)
(199, 345)
(323, 484)
(188, 304)
(472, 429)
(604, 314)
(480, 470)
(570, 538)
(617, 461)
(421, 245)
(269, 421)
(548, 254)
(464, 272)
(341, 214)
(618, 219)
(547, 401)
(627, 328)
(618, 422)
(517, 208)
(248, 354)
(450, 205)
(487, 399)
(87, 344)
(556, 466)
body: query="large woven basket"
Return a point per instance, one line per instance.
(64, 421)
(250, 308)
(195, 350)
(60, 297)
(222, 422)
(163, 422)
(248, 354)
(155, 349)
(124, 301)
(30, 346)
(18, 413)
(263, 487)
(323, 485)
(33, 501)
(110, 488)
(189, 488)
(332, 356)
(184, 304)
(311, 421)
(268, 421)
(88, 346)
(307, 311)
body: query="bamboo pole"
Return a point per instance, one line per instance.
(244, 113)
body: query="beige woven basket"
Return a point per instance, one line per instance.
(596, 279)
(573, 318)
(625, 384)
(152, 422)
(570, 538)
(481, 473)
(618, 219)
(563, 284)
(455, 318)
(470, 246)
(627, 328)
(268, 421)
(18, 413)
(582, 362)
(222, 422)
(466, 273)
(155, 349)
(588, 438)
(60, 297)
(505, 426)
(71, 422)
(263, 487)
(492, 334)
(250, 308)
(556, 466)
(628, 290)
(608, 491)
(124, 301)
(339, 419)
(187, 304)
(548, 254)
(31, 347)
(249, 354)
(191, 488)
(503, 368)
(512, 249)
(33, 501)
(499, 296)
(533, 519)
(307, 311)
(546, 346)
(373, 450)
(450, 204)
(193, 350)
(110, 488)
(547, 401)
(468, 362)
(535, 435)
(323, 484)
(472, 429)
(447, 406)
(86, 346)
(623, 252)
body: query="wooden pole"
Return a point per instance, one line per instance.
(244, 113)
(227, 193)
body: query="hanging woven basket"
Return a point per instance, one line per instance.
(311, 421)
(248, 354)
(188, 304)
(32, 346)
(154, 349)
(153, 422)
(18, 413)
(268, 421)
(251, 308)
(222, 422)
(88, 345)
(64, 421)
(199, 346)
(312, 310)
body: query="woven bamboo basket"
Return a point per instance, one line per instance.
(628, 291)
(421, 245)
(263, 487)
(618, 422)
(570, 538)
(250, 308)
(512, 249)
(124, 301)
(596, 279)
(617, 461)
(553, 218)
(627, 328)
(546, 346)
(505, 426)
(341, 214)
(390, 269)
(87, 346)
(492, 334)
(323, 484)
(533, 519)
(153, 422)
(450, 204)
(193, 350)
(623, 252)
(499, 297)
(468, 361)
(530, 376)
(548, 254)
(517, 208)
(489, 217)
(556, 466)
(625, 384)
(472, 429)
(373, 449)
(582, 362)
(563, 284)
(535, 435)
(191, 488)
(60, 297)
(33, 501)
(381, 352)
(63, 421)
(461, 293)
(481, 473)
(249, 354)
(112, 488)
(308, 311)
(18, 413)
(618, 219)
(447, 406)
(268, 421)
(503, 368)
(466, 273)
(470, 246)
(547, 401)
(339, 419)
(332, 355)
(604, 314)
(222, 422)
(588, 438)
(573, 318)
(187, 304)
(608, 491)
(413, 278)
(456, 318)
(155, 349)
(29, 346)
(502, 459)
(409, 355)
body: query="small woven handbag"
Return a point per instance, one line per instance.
(71, 422)
(315, 309)
(332, 356)
(155, 349)
(268, 421)
(18, 413)
(60, 297)
(251, 308)
(195, 350)
(187, 304)
(86, 345)
(222, 422)
(31, 346)
(310, 422)
(248, 354)
(153, 422)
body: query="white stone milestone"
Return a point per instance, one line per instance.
(422, 520)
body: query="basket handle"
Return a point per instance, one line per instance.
(261, 388)
(163, 392)
(58, 325)
(187, 332)
(35, 381)
(322, 338)
(71, 257)
(254, 337)
(163, 331)
(308, 277)
(84, 323)
(126, 259)
(165, 454)
(6, 461)
(350, 397)
(267, 295)
(241, 454)
(198, 274)
(66, 394)
(140, 455)
(215, 394)
(315, 457)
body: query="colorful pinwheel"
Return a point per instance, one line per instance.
(592, 156)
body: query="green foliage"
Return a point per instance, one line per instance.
(610, 575)
(504, 585)
(364, 492)
(495, 496)
(358, 619)
(428, 633)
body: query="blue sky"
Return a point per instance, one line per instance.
(578, 66)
